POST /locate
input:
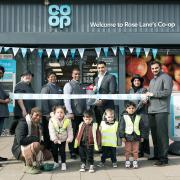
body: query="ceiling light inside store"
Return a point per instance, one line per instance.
(59, 74)
(46, 2)
(54, 64)
(57, 70)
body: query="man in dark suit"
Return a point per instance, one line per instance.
(105, 83)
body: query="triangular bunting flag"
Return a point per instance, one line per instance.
(98, 51)
(122, 50)
(138, 51)
(48, 52)
(114, 49)
(106, 51)
(56, 51)
(0, 49)
(31, 49)
(65, 51)
(73, 53)
(81, 52)
(6, 48)
(23, 51)
(154, 52)
(40, 52)
(146, 51)
(131, 49)
(15, 50)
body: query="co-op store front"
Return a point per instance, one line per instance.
(62, 35)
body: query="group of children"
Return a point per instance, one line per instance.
(91, 137)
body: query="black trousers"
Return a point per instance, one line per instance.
(75, 125)
(159, 130)
(47, 141)
(99, 111)
(14, 124)
(59, 149)
(108, 152)
(86, 154)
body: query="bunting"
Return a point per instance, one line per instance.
(6, 48)
(131, 49)
(15, 50)
(81, 52)
(65, 51)
(31, 49)
(23, 51)
(105, 51)
(154, 52)
(122, 50)
(138, 51)
(48, 52)
(73, 51)
(98, 51)
(114, 49)
(40, 52)
(146, 51)
(57, 51)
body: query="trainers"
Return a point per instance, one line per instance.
(135, 164)
(63, 167)
(56, 165)
(127, 164)
(101, 164)
(32, 170)
(114, 165)
(91, 168)
(82, 168)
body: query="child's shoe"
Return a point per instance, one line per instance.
(82, 168)
(56, 165)
(114, 165)
(63, 166)
(101, 164)
(127, 164)
(135, 164)
(91, 168)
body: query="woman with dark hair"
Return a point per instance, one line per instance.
(137, 88)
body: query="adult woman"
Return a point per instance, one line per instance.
(137, 88)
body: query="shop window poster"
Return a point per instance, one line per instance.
(141, 66)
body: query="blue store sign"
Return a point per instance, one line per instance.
(59, 16)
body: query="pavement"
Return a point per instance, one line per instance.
(14, 170)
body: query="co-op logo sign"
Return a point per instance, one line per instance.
(59, 15)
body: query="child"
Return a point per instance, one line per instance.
(132, 132)
(87, 139)
(108, 129)
(60, 131)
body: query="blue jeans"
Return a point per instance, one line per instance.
(1, 124)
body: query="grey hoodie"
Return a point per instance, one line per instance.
(161, 87)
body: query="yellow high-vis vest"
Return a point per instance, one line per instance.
(109, 134)
(130, 127)
(58, 129)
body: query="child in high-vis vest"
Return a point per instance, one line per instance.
(88, 139)
(132, 132)
(60, 131)
(109, 129)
